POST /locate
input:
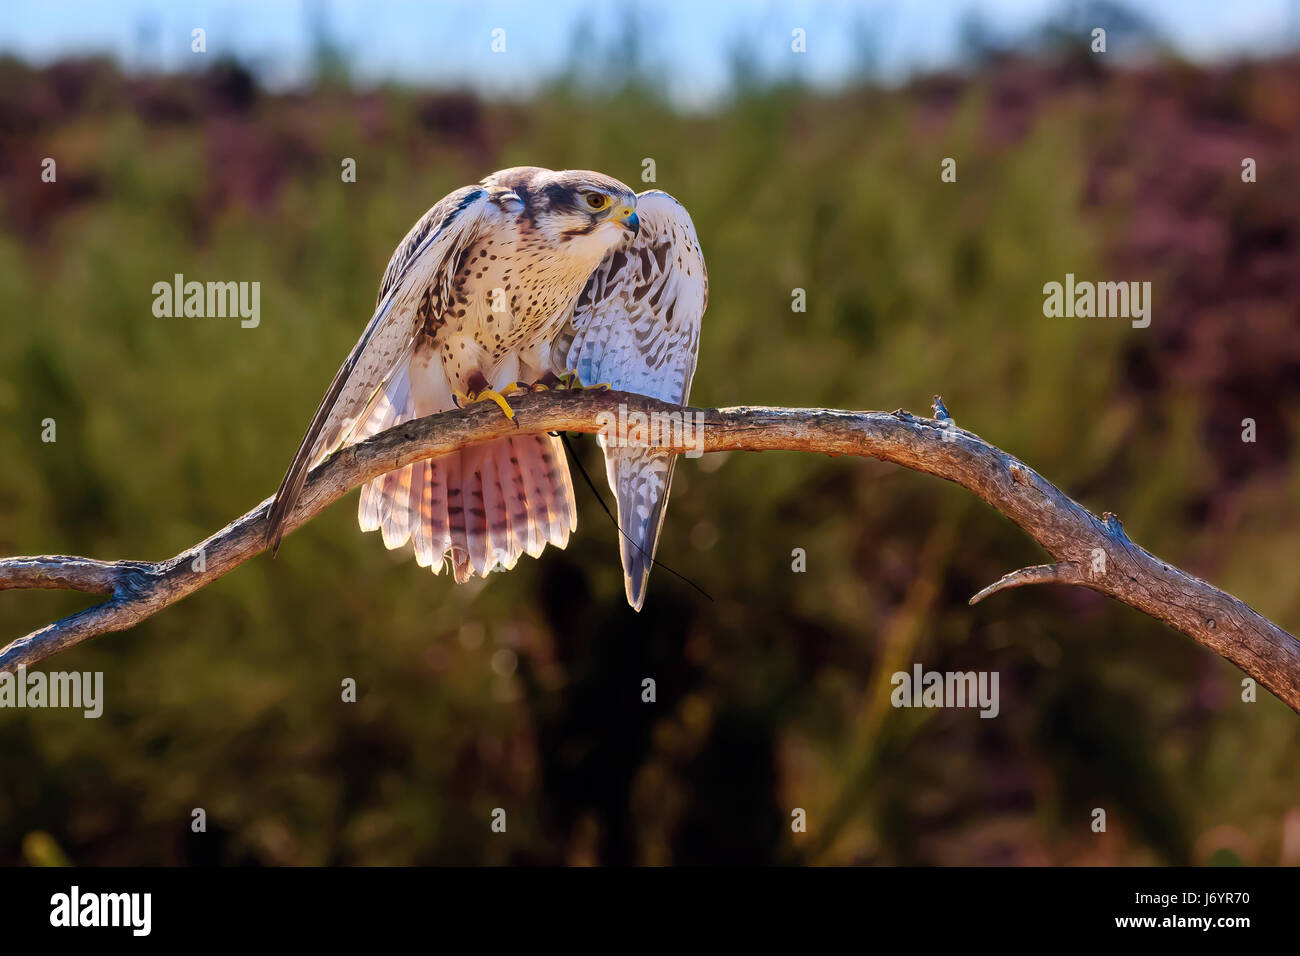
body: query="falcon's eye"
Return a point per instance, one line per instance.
(597, 200)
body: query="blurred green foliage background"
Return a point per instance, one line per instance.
(524, 692)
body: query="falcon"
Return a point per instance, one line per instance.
(533, 278)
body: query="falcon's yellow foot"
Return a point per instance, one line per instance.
(490, 395)
(569, 380)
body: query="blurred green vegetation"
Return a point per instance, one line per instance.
(524, 692)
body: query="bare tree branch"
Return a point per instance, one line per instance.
(1038, 574)
(1087, 551)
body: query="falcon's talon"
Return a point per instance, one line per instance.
(489, 395)
(569, 380)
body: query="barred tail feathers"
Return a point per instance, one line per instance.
(641, 479)
(481, 507)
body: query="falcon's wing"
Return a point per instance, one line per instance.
(426, 256)
(637, 327)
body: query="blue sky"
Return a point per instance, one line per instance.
(448, 41)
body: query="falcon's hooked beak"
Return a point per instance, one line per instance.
(627, 218)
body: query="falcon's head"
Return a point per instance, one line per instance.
(580, 212)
